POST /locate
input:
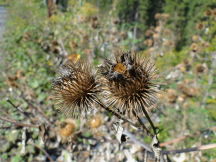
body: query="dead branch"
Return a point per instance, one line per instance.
(199, 148)
(179, 139)
(26, 114)
(16, 123)
(43, 150)
(37, 108)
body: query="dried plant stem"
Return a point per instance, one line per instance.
(38, 109)
(43, 150)
(177, 140)
(120, 116)
(149, 119)
(199, 148)
(167, 152)
(143, 125)
(17, 123)
(135, 140)
(18, 108)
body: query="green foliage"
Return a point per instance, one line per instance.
(17, 158)
(184, 17)
(139, 11)
(4, 2)
(171, 59)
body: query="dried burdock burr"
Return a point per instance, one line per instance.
(67, 128)
(195, 47)
(96, 121)
(171, 95)
(128, 84)
(201, 69)
(208, 12)
(200, 26)
(76, 89)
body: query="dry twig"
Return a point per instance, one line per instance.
(179, 139)
(16, 123)
(43, 150)
(199, 148)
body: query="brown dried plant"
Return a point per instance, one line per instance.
(128, 84)
(76, 89)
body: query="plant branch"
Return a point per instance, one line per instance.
(18, 108)
(37, 108)
(115, 113)
(179, 139)
(143, 125)
(149, 119)
(199, 148)
(17, 123)
(43, 150)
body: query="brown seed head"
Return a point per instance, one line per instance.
(201, 68)
(195, 38)
(76, 89)
(194, 47)
(214, 12)
(158, 16)
(149, 42)
(67, 128)
(171, 95)
(96, 121)
(208, 12)
(200, 26)
(127, 83)
(165, 16)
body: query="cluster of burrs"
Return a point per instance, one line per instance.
(123, 86)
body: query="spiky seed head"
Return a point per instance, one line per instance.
(67, 128)
(96, 121)
(127, 83)
(75, 90)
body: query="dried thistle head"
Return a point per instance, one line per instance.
(95, 121)
(75, 91)
(127, 83)
(67, 128)
(208, 12)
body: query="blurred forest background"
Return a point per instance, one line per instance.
(179, 35)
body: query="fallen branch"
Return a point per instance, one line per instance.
(16, 123)
(166, 152)
(199, 148)
(37, 108)
(179, 139)
(26, 114)
(143, 125)
(43, 150)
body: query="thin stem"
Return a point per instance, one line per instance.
(115, 113)
(37, 108)
(199, 148)
(43, 150)
(150, 121)
(136, 141)
(26, 114)
(181, 138)
(17, 123)
(142, 124)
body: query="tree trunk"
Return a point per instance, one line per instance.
(51, 7)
